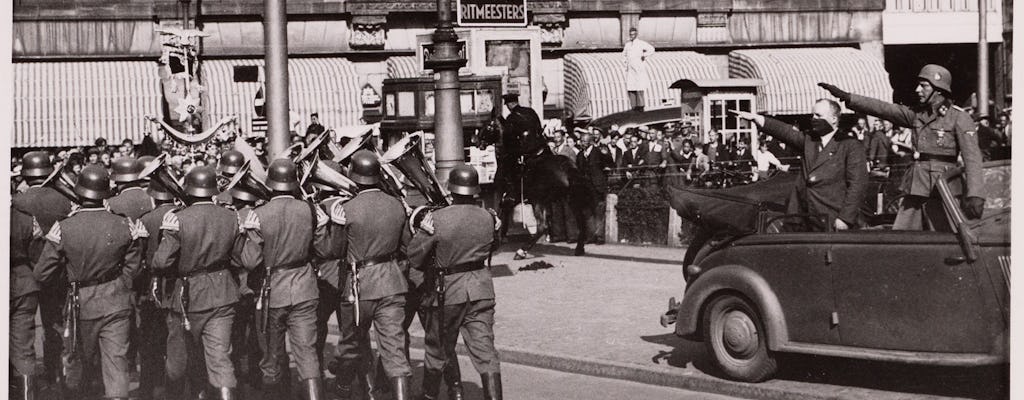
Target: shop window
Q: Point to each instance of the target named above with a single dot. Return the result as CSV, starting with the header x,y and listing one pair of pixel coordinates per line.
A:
x,y
726,123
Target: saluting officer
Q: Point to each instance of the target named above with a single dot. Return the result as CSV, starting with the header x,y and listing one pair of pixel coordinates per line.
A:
x,y
48,206
131,199
197,247
102,253
374,239
153,301
451,247
283,236
942,131
25,232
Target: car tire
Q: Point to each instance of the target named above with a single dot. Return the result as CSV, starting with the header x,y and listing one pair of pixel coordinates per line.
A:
x,y
735,337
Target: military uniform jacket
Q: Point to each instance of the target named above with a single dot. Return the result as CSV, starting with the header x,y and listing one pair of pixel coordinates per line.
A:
x,y
93,243
132,202
245,287
152,221
463,233
376,226
201,237
832,181
25,246
44,203
287,236
947,131
329,270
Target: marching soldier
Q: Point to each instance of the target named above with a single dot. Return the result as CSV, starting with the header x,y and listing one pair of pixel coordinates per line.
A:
x,y
374,238
48,206
283,236
102,253
328,270
153,303
942,131
230,163
197,247
131,199
25,232
245,350
452,246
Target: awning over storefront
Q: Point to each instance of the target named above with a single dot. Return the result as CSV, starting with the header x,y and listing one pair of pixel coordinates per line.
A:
x,y
72,103
403,67
327,86
791,76
595,83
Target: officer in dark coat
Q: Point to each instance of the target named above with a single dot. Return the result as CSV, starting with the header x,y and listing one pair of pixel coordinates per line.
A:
x,y
453,245
102,252
374,235
153,302
48,206
834,174
25,246
197,246
521,125
942,132
283,236
131,199
595,162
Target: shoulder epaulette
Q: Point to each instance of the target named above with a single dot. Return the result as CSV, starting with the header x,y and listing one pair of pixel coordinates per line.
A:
x,y
54,235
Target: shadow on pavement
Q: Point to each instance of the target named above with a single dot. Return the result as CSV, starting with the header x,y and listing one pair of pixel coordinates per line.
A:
x,y
546,249
684,354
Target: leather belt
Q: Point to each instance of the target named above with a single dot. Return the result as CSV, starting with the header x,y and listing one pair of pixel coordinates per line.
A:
x,y
107,277
208,270
937,157
292,265
393,256
464,267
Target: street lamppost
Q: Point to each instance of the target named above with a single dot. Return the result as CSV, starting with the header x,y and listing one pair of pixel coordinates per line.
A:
x,y
445,56
982,58
275,42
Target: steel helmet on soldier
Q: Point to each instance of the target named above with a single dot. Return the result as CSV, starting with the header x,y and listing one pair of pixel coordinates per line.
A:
x,y
938,76
282,176
36,164
93,183
126,169
158,191
464,180
201,182
242,194
230,162
364,168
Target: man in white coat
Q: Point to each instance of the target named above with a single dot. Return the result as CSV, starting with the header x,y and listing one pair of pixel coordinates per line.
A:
x,y
636,53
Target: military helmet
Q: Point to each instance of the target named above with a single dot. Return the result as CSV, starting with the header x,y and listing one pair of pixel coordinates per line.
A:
x,y
201,182
230,162
93,183
242,194
36,164
282,176
126,169
938,76
158,191
464,180
364,168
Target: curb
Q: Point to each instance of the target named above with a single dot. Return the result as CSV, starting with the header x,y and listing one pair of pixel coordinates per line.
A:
x,y
680,379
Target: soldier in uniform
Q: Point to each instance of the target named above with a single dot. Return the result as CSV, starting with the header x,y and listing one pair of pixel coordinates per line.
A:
x,y
131,199
25,232
153,301
230,163
48,206
283,236
451,246
245,350
942,131
197,247
102,253
373,240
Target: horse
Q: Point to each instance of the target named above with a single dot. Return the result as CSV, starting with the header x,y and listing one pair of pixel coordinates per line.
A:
x,y
543,179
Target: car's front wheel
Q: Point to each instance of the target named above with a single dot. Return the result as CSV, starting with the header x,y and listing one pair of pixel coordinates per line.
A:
x,y
735,336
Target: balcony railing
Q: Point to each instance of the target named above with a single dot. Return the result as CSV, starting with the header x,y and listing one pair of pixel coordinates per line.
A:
x,y
939,5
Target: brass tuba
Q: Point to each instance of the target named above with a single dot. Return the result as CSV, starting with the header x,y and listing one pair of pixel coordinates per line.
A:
x,y
389,180
247,181
315,170
157,170
62,181
408,158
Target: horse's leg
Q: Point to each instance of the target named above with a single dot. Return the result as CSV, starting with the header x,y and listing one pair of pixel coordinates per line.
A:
x,y
582,213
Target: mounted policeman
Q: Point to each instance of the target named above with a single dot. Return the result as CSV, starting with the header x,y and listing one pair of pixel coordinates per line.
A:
x,y
942,132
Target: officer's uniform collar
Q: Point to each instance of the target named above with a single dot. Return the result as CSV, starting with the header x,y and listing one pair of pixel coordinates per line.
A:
x,y
282,196
130,188
210,202
369,190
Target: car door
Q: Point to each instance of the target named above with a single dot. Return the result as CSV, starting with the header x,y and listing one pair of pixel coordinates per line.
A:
x,y
907,290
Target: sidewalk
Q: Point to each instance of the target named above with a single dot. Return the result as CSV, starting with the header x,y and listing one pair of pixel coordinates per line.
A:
x,y
598,315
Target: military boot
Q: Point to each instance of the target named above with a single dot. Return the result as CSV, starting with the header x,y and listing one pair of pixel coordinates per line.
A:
x,y
343,376
315,389
431,384
400,386
492,385
28,387
226,393
453,379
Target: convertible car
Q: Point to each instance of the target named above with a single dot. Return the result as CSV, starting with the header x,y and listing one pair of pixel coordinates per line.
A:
x,y
756,286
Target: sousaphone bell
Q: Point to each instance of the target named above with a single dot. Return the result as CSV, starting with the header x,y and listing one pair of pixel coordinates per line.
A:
x,y
157,171
315,170
408,158
245,180
389,181
62,181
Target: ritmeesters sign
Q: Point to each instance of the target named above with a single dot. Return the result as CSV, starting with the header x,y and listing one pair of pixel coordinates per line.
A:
x,y
492,12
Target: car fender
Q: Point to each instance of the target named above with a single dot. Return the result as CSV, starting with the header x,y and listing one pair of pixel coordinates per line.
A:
x,y
733,278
